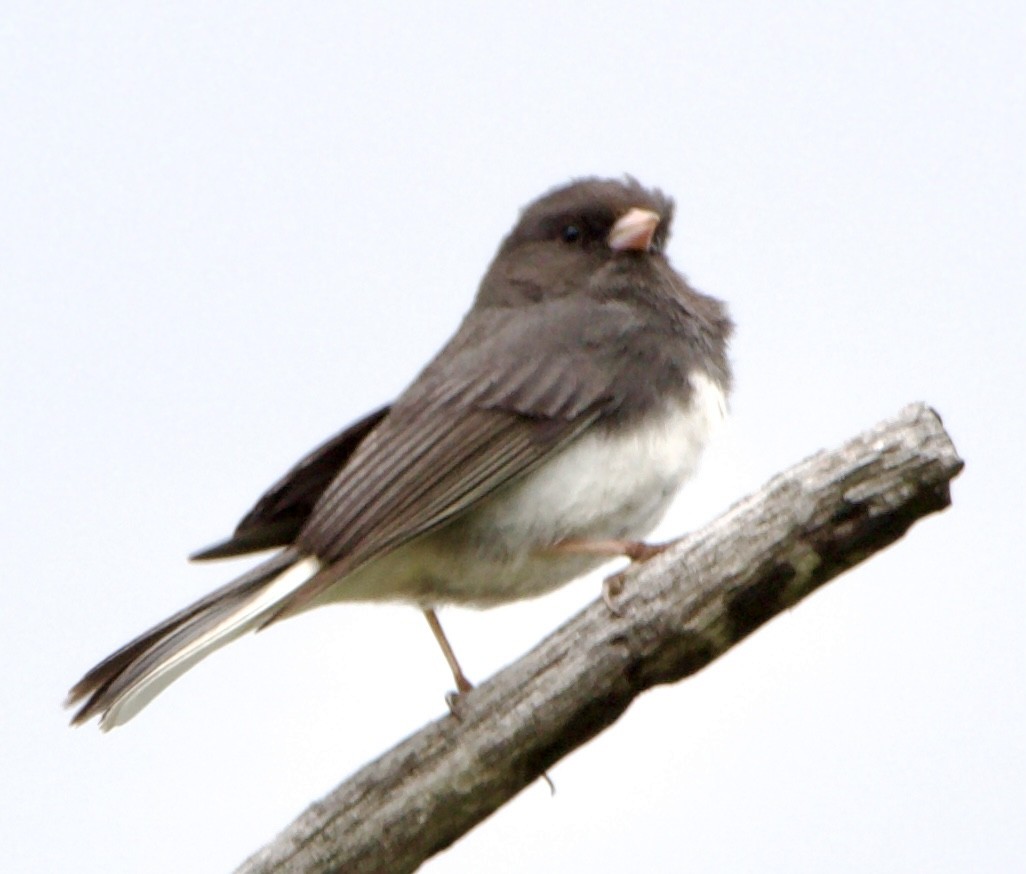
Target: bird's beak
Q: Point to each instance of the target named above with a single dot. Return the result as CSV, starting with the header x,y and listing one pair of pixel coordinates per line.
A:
x,y
633,231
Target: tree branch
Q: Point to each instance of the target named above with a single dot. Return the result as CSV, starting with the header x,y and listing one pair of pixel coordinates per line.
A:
x,y
675,614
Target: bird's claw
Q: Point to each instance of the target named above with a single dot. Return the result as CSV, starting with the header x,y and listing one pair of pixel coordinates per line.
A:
x,y
612,588
454,701
639,551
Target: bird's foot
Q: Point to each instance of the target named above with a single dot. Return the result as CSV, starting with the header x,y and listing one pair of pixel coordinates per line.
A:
x,y
612,588
454,700
636,551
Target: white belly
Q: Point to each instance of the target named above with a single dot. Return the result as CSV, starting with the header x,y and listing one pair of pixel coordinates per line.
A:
x,y
601,486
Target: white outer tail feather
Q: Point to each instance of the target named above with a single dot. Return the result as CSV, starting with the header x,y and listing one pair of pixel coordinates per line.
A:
x,y
246,618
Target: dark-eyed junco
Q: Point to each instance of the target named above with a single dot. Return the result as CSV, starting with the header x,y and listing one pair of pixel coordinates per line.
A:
x,y
548,434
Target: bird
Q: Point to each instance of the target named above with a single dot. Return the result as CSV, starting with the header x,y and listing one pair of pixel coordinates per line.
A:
x,y
547,436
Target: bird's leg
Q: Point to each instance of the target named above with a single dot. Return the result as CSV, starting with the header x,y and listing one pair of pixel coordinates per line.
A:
x,y
635,550
462,683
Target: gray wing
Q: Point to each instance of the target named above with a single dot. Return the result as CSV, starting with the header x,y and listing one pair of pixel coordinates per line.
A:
x,y
481,415
282,511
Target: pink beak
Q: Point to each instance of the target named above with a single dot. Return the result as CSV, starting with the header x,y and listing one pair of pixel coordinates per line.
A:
x,y
633,231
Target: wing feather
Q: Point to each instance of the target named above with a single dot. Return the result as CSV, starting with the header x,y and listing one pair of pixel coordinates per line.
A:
x,y
279,515
480,416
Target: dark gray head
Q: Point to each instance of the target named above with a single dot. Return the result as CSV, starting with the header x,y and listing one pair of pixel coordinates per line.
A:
x,y
570,236
586,265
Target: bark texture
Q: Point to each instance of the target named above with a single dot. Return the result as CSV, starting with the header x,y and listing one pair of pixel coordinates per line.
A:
x,y
674,614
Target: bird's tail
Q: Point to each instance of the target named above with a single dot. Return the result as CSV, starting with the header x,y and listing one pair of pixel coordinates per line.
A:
x,y
125,682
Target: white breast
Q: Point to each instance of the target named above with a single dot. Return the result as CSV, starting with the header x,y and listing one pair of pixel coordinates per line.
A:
x,y
609,485
602,486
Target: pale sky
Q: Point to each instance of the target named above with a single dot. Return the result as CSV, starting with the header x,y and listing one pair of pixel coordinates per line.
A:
x,y
229,229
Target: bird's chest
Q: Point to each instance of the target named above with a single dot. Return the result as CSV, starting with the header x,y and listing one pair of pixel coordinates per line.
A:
x,y
611,484
605,485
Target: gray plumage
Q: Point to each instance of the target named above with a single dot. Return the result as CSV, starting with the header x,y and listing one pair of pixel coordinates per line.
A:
x,y
572,345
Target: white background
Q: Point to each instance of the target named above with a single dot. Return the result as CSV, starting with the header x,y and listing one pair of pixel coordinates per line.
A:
x,y
229,229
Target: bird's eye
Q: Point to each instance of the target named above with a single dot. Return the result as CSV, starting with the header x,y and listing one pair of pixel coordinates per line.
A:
x,y
571,234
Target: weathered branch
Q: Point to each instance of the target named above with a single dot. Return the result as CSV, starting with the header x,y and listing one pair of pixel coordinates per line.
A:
x,y
676,613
